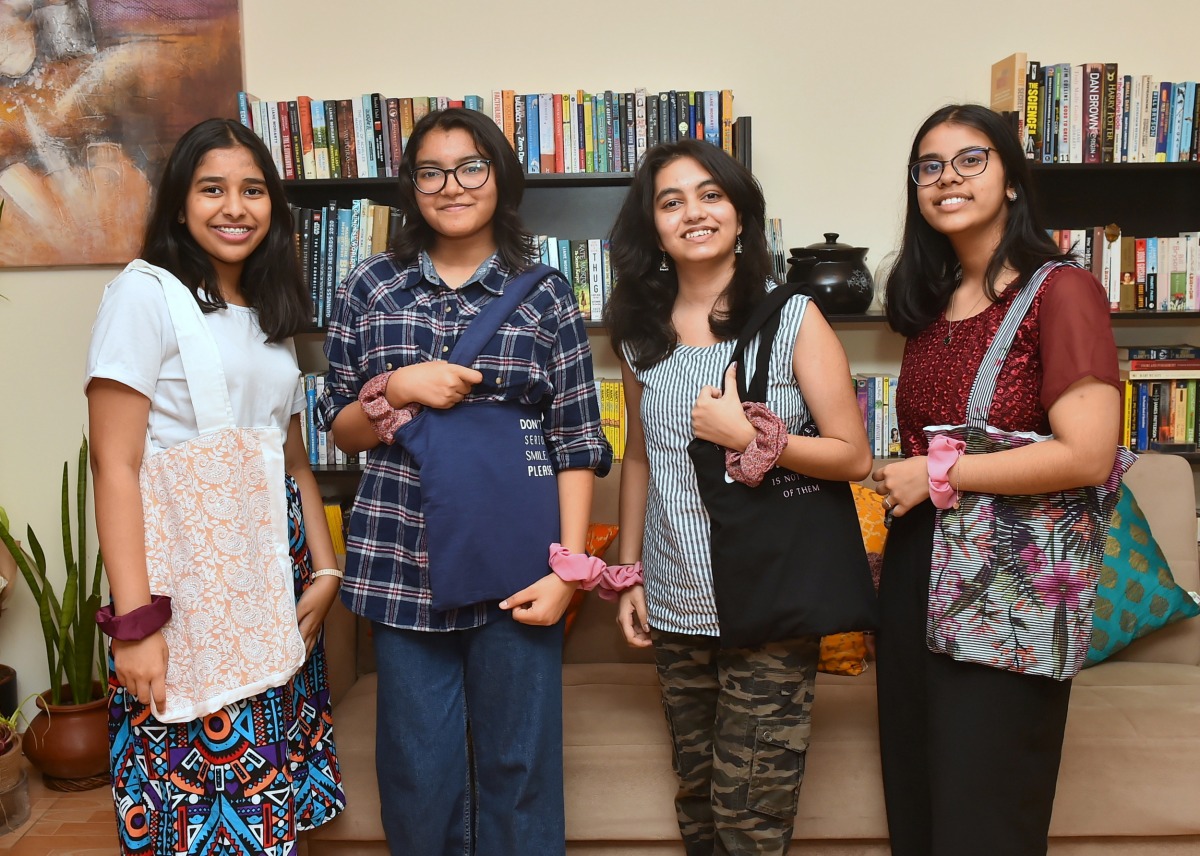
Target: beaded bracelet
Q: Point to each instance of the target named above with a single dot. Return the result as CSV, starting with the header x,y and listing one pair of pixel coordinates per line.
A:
x,y
136,624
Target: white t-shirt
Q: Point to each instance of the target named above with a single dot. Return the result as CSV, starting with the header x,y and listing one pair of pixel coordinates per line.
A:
x,y
133,342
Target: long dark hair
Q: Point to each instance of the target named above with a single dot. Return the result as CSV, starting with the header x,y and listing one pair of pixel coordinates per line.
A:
x,y
638,313
271,282
926,272
513,243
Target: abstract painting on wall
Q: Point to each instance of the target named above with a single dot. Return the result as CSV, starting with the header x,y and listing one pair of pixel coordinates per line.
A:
x,y
93,95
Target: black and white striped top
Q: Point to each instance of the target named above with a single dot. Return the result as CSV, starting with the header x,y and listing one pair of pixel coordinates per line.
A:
x,y
675,548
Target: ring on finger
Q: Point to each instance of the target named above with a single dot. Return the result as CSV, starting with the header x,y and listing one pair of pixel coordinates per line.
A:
x,y
887,502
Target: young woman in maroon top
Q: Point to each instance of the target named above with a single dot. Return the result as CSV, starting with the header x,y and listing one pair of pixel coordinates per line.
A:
x,y
971,753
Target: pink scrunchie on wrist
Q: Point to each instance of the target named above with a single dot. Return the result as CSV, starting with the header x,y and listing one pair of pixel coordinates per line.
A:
x,y
943,454
617,578
764,450
576,567
385,419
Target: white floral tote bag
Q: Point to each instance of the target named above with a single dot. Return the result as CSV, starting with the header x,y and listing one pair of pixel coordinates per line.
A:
x,y
217,541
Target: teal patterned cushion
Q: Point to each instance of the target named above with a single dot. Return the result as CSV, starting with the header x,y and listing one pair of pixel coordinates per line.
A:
x,y
1136,593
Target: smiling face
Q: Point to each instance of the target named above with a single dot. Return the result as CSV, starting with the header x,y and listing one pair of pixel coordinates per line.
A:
x,y
456,213
228,212
973,207
696,223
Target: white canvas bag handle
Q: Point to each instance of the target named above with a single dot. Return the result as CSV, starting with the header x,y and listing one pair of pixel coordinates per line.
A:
x,y
198,351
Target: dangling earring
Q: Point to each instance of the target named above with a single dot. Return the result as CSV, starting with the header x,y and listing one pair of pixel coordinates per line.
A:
x,y
663,266
737,247
180,217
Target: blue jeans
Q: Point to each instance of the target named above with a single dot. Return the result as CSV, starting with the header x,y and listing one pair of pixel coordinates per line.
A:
x,y
469,744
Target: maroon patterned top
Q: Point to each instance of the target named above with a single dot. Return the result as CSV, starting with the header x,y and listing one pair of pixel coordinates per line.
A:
x,y
1066,337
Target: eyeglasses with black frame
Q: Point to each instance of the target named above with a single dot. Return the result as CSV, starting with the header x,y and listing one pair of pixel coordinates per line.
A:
x,y
473,175
968,163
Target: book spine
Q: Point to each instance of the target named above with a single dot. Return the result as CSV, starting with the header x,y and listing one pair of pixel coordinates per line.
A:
x,y
520,132
310,425
546,131
293,110
334,139
498,115
587,106
613,131
602,126
1033,110
276,136
1175,141
395,146
640,124
347,142
1093,113
1162,128
364,155
580,281
560,161
308,154
1152,274
596,278
1125,112
245,112
320,140
533,125
727,121
1049,106
712,118
1110,89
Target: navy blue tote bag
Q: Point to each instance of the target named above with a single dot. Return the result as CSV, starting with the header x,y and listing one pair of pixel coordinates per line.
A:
x,y
488,490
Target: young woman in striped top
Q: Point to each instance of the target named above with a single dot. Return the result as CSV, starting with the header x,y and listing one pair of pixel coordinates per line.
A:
x,y
691,263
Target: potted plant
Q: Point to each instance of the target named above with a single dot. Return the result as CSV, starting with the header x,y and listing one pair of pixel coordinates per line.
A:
x,y
68,739
8,576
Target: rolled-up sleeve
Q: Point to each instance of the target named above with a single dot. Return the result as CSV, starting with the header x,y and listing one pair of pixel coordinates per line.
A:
x,y
343,350
574,435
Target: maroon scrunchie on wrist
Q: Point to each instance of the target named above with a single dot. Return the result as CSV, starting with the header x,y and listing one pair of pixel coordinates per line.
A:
x,y
764,450
138,623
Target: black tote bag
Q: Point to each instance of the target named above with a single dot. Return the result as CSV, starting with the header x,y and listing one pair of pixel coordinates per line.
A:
x,y
787,556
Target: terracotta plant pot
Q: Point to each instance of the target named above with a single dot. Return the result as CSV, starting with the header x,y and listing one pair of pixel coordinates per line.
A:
x,y
69,741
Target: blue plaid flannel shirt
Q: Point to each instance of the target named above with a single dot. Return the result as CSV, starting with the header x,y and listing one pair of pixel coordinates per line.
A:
x,y
387,317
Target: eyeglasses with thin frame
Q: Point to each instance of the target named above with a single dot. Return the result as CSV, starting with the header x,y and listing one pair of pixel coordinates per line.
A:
x,y
470,176
968,163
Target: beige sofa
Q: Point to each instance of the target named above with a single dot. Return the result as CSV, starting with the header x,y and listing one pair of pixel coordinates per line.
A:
x,y
1129,784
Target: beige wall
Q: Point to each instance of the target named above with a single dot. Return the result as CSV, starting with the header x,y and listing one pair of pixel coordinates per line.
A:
x,y
836,90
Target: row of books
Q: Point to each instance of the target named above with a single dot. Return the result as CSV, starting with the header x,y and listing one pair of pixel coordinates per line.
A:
x,y
580,132
876,395
1092,113
1140,274
573,132
611,394
1160,388
321,450
583,263
331,241
1160,415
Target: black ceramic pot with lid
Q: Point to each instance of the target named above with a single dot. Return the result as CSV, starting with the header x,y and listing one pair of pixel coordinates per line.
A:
x,y
833,274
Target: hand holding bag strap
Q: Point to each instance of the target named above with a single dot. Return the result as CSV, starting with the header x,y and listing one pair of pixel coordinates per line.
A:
x,y
765,319
198,352
480,330
979,403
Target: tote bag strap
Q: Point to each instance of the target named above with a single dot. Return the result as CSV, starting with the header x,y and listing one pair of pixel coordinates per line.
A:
x,y
480,331
764,319
197,350
979,404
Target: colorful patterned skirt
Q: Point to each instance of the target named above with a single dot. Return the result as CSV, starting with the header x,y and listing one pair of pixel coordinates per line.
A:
x,y
243,781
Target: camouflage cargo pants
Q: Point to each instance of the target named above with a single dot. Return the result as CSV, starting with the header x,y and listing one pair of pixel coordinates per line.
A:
x,y
739,720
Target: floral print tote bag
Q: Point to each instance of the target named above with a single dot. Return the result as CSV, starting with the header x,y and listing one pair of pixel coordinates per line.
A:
x,y
1013,579
215,512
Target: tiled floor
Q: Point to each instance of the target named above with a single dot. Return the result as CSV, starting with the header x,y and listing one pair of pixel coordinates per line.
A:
x,y
64,824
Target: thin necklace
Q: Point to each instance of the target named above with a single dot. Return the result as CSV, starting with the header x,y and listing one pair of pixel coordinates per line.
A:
x,y
950,324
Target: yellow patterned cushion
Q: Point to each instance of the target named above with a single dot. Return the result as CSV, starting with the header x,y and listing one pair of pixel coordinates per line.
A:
x,y
846,653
